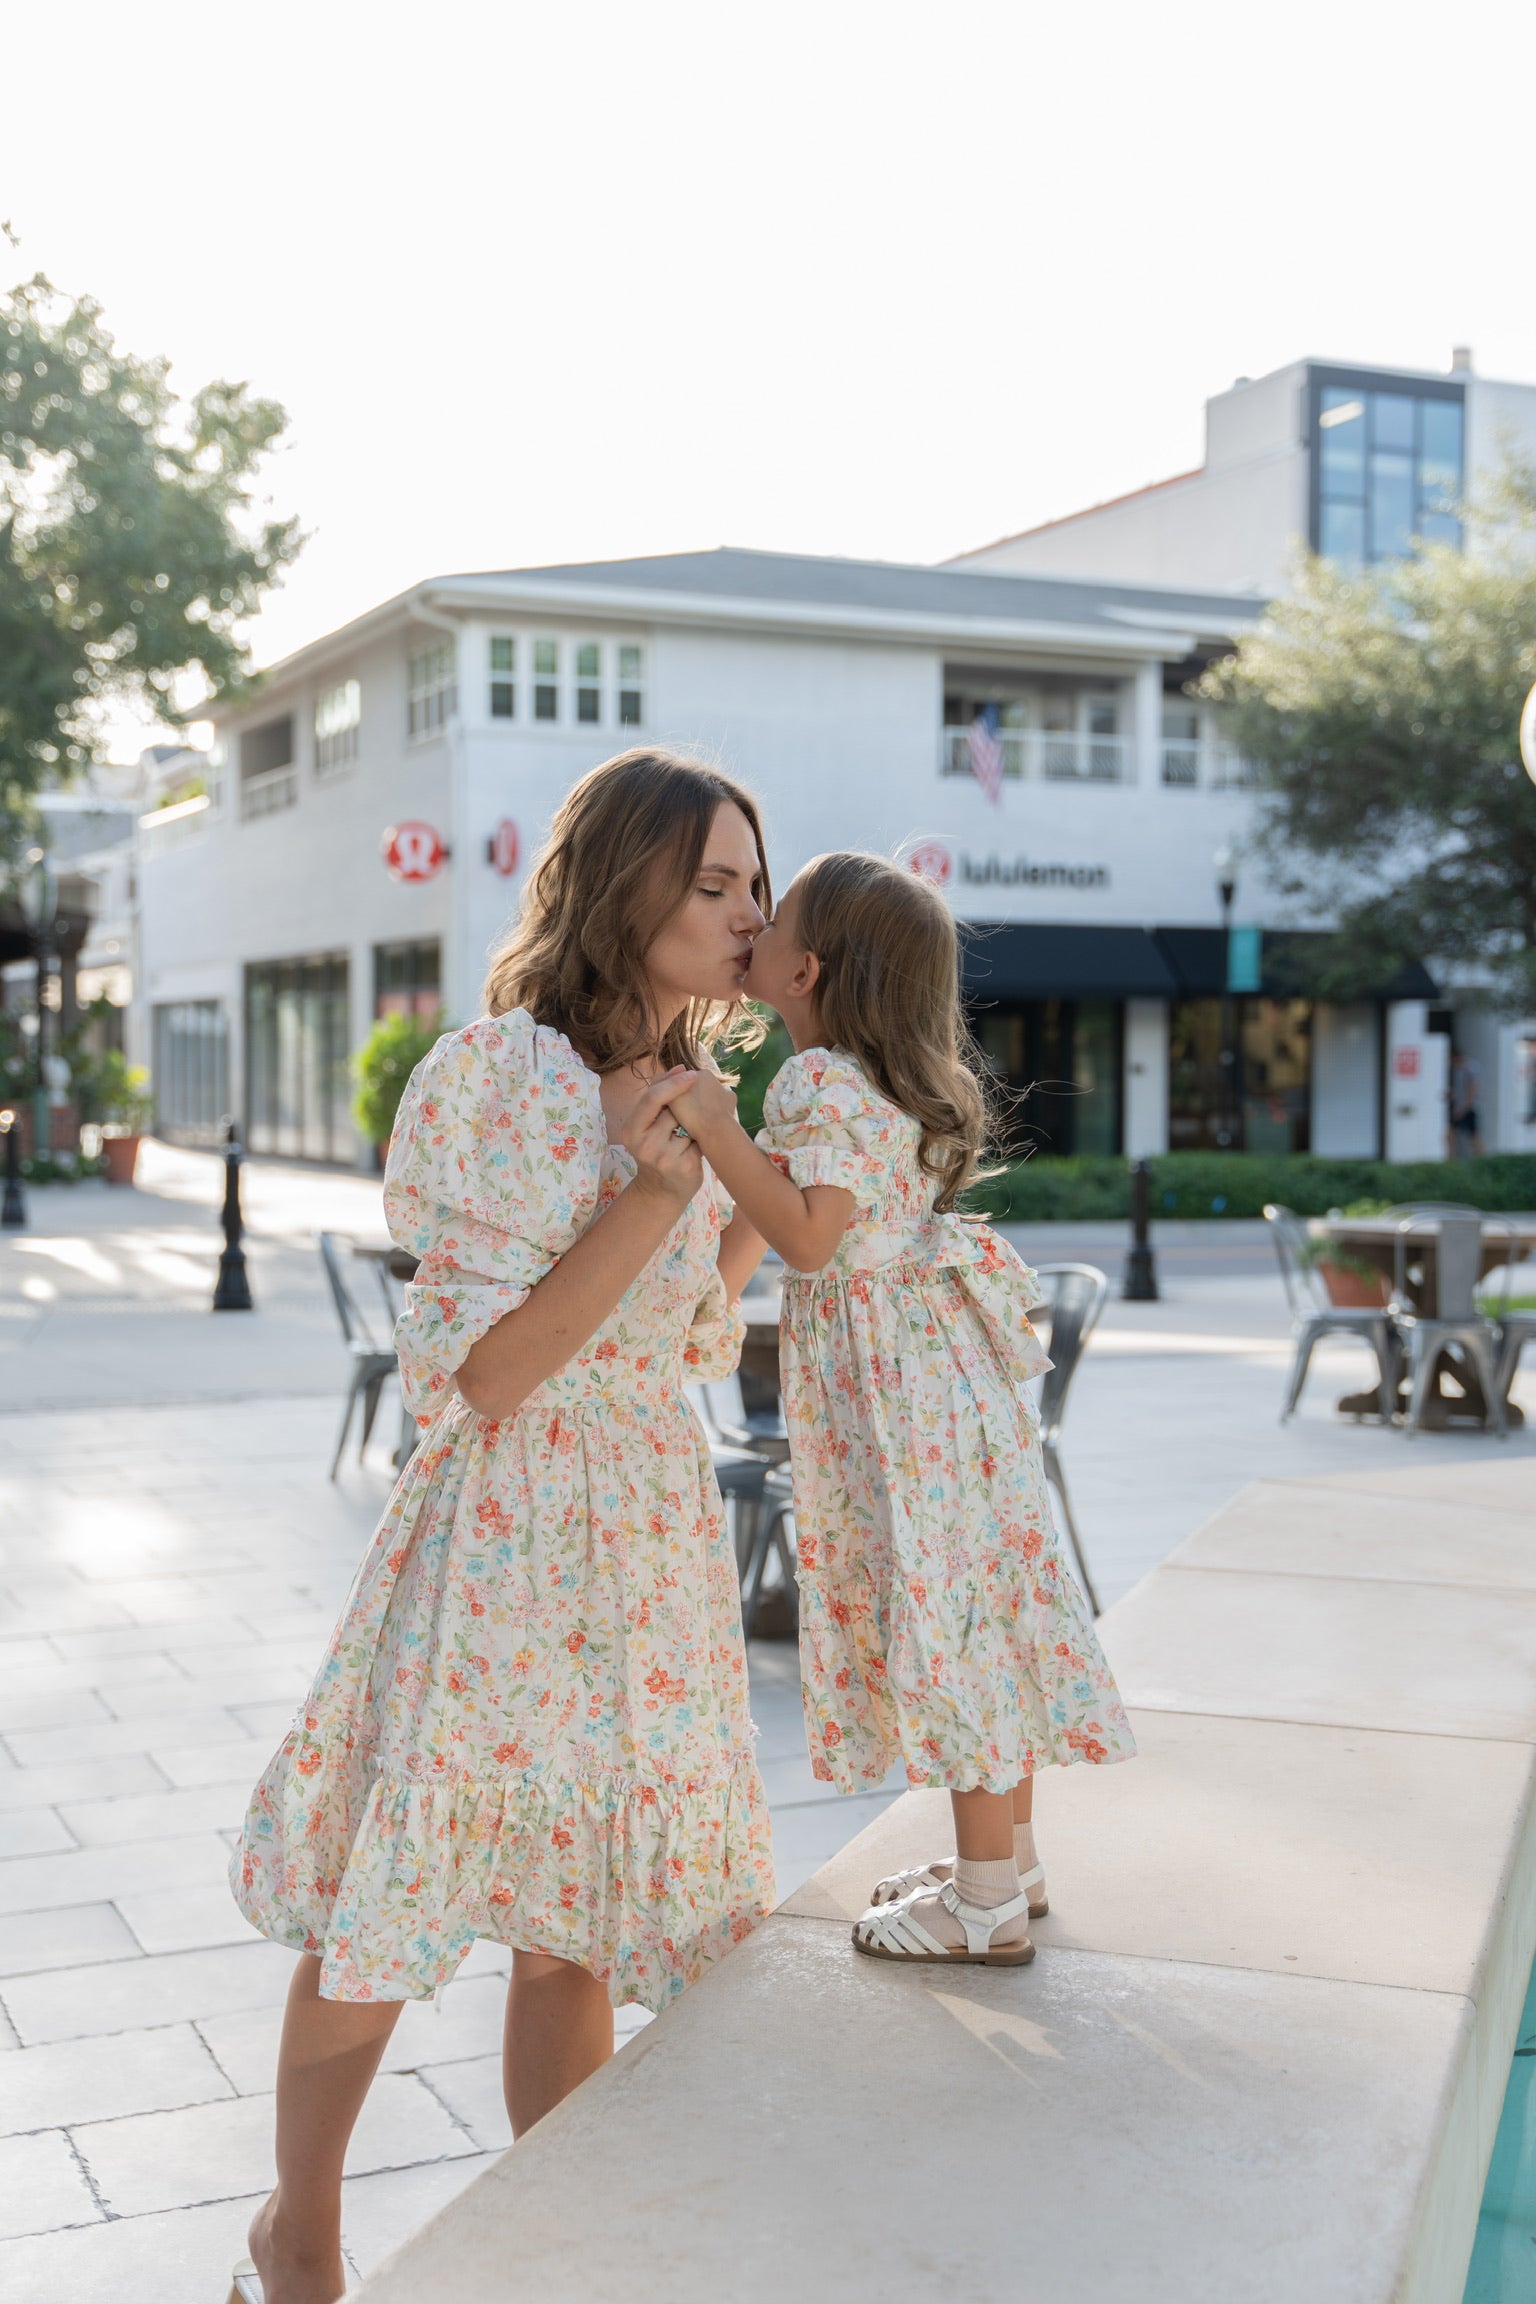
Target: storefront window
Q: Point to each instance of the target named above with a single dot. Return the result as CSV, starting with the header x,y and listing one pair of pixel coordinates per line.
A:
x,y
408,978
296,1045
1240,1076
1058,1063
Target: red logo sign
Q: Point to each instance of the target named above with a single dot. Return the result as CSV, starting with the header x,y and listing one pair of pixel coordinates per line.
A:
x,y
930,860
1405,1063
413,851
503,849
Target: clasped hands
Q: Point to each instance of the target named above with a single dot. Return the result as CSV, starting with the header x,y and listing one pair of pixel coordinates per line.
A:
x,y
671,1119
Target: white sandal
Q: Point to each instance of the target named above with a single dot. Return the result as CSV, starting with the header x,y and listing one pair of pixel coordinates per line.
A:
x,y
927,1880
247,2284
892,1931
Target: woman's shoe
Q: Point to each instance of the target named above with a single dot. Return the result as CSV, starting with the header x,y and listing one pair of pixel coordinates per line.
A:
x,y
927,1879
247,2284
894,1932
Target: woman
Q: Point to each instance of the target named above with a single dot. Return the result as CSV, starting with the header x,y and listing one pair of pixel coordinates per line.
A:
x,y
532,1721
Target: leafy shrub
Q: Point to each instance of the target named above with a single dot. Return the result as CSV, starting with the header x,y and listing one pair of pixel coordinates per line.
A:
x,y
383,1065
754,1071
1196,1184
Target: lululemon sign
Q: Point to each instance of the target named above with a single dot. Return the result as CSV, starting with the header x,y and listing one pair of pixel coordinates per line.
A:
x,y
414,851
502,848
931,860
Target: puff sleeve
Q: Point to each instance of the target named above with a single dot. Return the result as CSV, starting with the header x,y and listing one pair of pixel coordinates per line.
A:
x,y
826,1125
493,1173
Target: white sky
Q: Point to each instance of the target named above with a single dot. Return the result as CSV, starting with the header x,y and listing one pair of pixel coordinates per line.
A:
x,y
841,276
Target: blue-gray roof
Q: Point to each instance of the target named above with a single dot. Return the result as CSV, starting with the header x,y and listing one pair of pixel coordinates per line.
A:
x,y
891,586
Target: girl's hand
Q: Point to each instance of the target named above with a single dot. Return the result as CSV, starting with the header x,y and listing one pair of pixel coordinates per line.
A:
x,y
668,1165
703,1104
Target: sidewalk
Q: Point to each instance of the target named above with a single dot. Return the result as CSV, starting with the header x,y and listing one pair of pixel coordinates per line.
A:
x,y
171,1560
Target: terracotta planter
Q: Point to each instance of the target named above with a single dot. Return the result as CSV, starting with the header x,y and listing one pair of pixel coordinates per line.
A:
x,y
1365,1290
121,1154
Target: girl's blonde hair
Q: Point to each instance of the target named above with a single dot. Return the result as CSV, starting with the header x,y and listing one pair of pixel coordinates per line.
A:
x,y
621,860
889,993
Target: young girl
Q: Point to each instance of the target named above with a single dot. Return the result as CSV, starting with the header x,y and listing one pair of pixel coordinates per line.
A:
x,y
938,1624
532,1722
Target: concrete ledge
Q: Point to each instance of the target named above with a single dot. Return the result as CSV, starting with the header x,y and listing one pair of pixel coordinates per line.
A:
x,y
1263,2050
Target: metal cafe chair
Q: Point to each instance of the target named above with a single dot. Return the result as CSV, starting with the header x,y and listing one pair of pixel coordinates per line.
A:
x,y
771,1539
1457,1322
373,1362
740,1470
1515,1330
1075,1293
1314,1315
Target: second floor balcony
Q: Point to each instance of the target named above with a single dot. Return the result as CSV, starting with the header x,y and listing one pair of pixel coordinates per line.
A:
x,y
1049,755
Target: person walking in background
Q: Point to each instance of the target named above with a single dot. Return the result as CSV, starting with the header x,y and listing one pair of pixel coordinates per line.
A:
x,y
1466,1141
532,1721
939,1625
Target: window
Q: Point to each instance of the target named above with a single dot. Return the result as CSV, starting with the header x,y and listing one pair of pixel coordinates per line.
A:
x,y
546,672
589,708
267,778
432,689
191,1071
407,979
297,1078
1387,469
503,666
631,675
337,713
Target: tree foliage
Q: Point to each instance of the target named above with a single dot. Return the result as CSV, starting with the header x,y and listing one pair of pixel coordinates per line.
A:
x,y
131,545
1382,710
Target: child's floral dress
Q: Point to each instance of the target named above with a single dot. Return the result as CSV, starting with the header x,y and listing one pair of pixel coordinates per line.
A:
x,y
939,1625
532,1721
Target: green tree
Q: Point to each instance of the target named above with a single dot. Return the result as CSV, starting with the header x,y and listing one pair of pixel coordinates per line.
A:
x,y
753,1068
1382,710
131,546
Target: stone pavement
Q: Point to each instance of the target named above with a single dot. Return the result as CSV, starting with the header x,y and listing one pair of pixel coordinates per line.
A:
x,y
171,1561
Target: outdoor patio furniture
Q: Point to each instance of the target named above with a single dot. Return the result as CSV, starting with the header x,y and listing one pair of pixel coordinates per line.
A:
x,y
1315,1315
771,1539
1442,1313
373,1357
1076,1294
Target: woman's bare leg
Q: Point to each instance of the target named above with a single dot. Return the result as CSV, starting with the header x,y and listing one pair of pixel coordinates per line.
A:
x,y
330,2052
559,2030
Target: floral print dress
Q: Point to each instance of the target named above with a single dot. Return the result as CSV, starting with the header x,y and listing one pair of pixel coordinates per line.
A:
x,y
532,1721
939,1625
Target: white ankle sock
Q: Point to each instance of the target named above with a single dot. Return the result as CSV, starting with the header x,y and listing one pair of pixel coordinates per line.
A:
x,y
1024,1856
986,1884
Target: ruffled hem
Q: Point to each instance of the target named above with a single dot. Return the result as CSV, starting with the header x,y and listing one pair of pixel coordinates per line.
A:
x,y
390,1879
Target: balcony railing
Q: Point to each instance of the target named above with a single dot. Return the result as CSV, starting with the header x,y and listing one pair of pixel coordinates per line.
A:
x,y
268,791
1047,755
1205,767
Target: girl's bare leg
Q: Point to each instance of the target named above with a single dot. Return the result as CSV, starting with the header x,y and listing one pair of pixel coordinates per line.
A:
x,y
559,2030
1023,1797
984,1826
330,2052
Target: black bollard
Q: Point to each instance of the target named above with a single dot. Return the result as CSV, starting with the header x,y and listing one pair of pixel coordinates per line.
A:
x,y
232,1292
1140,1268
13,1210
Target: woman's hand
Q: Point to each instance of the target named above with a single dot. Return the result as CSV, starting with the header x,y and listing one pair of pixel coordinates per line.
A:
x,y
668,1164
704,1104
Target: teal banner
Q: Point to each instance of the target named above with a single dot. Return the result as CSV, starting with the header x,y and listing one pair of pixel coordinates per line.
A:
x,y
1245,959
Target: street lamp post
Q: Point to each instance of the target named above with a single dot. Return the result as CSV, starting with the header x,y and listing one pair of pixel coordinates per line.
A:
x,y
13,1206
37,893
1226,889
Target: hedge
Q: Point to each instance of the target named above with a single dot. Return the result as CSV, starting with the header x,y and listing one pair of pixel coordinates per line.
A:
x,y
1193,1184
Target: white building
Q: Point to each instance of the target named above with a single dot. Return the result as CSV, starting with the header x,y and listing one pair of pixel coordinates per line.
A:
x,y
446,725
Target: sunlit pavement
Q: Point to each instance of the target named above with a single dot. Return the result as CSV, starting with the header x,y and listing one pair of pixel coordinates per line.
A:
x,y
172,1556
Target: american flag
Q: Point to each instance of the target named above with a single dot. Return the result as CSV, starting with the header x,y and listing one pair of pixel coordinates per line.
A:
x,y
986,750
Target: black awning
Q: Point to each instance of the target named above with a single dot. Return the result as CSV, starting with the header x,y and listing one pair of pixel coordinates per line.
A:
x,y
1030,962
1197,958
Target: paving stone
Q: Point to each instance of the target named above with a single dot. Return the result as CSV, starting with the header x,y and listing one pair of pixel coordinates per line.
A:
x,y
186,1766
32,1832
181,1919
82,1610
129,1640
44,1786
98,1823
89,1672
380,2213
127,1996
93,1875
25,1655
465,2021
110,1739
244,2046
183,2257
50,1709
158,2160
472,2091
9,2037
266,1724
72,1936
42,2188
153,2071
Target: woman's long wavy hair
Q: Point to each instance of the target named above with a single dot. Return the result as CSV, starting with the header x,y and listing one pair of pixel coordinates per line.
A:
x,y
621,861
889,993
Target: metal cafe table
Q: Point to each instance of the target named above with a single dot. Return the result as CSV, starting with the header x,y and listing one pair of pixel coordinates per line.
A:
x,y
1373,1242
